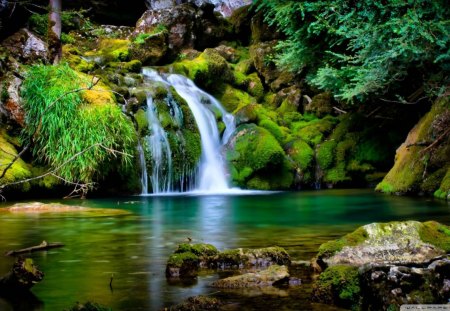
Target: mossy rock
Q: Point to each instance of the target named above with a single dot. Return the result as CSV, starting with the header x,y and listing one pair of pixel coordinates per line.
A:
x,y
320,105
233,99
247,114
19,170
444,189
314,131
207,70
198,303
303,157
150,48
338,285
253,149
412,159
407,242
262,257
245,67
182,265
112,50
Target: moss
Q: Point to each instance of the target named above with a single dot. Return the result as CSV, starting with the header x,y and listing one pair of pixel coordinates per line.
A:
x,y
200,249
206,70
315,130
142,122
338,285
444,189
325,154
245,66
19,170
354,238
406,176
436,234
133,66
274,129
301,153
233,99
178,260
230,258
255,86
112,50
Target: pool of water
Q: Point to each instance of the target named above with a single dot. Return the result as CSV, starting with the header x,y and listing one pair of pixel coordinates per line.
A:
x,y
134,248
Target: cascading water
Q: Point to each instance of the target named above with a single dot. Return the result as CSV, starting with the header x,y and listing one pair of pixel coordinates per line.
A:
x,y
211,172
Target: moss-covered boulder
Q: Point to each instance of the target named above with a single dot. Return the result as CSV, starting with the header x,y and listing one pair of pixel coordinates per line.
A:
x,y
234,100
206,70
262,257
257,160
150,48
395,243
338,285
302,156
188,258
381,266
320,105
422,162
268,277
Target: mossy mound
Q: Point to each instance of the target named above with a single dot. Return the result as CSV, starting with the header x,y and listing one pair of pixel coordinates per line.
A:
x,y
19,170
254,155
302,156
338,285
233,99
206,70
424,153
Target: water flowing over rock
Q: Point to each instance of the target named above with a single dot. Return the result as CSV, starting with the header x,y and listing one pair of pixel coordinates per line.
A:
x,y
210,173
225,7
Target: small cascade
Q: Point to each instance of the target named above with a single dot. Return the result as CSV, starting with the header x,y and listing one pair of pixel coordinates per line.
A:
x,y
158,144
210,175
144,174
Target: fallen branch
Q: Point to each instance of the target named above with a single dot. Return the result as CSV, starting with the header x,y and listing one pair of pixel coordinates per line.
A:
x,y
340,110
41,247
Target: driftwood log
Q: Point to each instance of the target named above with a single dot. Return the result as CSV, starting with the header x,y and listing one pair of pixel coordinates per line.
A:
x,y
41,247
22,276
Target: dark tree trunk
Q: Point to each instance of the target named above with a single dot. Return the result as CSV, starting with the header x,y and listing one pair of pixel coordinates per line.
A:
x,y
54,31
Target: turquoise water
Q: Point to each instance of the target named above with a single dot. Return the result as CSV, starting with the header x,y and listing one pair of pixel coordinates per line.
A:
x,y
134,248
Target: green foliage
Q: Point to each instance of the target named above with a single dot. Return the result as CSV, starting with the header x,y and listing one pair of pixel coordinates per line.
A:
x,y
70,20
342,284
357,49
140,38
67,128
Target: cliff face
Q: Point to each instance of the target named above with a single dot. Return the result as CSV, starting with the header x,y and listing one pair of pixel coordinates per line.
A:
x,y
422,162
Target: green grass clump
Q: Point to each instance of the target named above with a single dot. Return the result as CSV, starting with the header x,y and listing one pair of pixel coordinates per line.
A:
x,y
67,128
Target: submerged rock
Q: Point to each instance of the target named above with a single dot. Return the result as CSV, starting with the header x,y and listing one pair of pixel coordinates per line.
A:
x,y
198,303
39,208
272,275
262,257
391,263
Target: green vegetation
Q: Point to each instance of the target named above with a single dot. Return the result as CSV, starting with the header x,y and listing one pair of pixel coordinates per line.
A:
x,y
74,133
19,170
339,285
140,38
436,234
200,249
354,238
356,50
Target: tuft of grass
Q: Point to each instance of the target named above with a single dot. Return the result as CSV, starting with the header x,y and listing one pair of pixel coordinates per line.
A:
x,y
67,130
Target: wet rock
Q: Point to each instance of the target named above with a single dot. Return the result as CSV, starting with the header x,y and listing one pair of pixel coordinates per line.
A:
x,y
11,106
188,258
388,243
392,264
228,53
198,303
188,26
39,208
320,105
263,55
152,49
26,47
224,7
262,257
272,275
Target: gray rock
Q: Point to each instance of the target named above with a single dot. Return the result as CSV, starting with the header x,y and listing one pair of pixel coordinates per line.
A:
x,y
26,47
224,7
263,278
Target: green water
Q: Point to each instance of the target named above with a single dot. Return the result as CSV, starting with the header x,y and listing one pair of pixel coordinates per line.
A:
x,y
134,247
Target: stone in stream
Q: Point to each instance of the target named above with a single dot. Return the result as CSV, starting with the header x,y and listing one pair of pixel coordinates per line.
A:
x,y
40,208
268,277
391,263
197,303
189,258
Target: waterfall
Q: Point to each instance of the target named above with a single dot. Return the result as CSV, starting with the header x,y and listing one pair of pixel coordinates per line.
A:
x,y
144,174
161,155
211,173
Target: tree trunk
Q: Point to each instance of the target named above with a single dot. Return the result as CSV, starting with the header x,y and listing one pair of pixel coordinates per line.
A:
x,y
54,31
